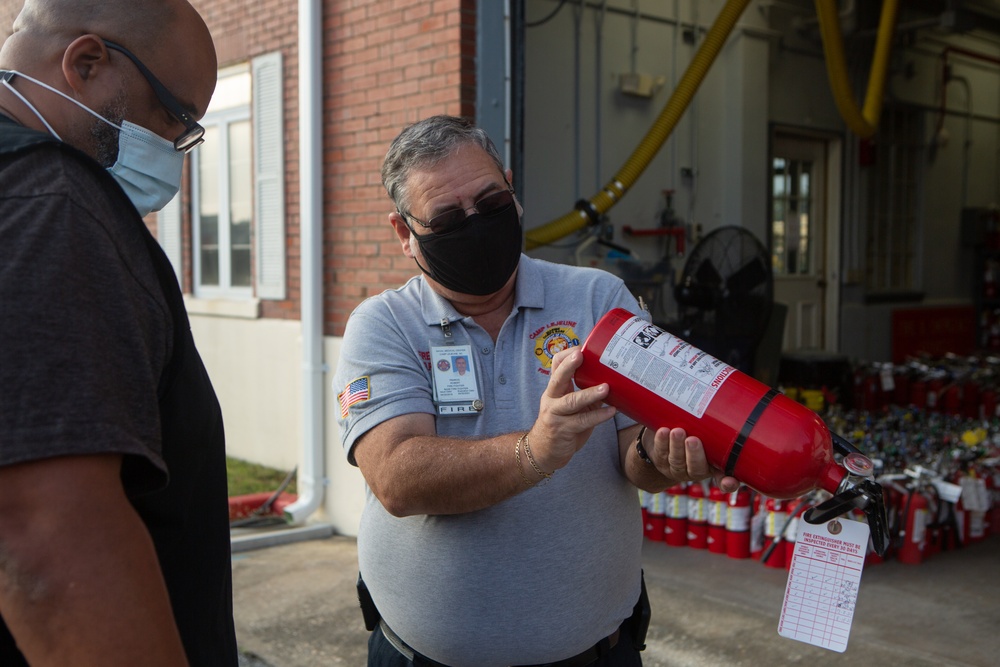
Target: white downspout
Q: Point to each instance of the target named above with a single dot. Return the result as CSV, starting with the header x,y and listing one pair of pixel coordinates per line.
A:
x,y
312,473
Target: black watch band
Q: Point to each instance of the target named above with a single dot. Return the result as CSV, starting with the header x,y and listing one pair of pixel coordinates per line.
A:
x,y
639,449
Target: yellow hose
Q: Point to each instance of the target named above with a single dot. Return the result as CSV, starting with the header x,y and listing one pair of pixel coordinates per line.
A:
x,y
653,141
861,123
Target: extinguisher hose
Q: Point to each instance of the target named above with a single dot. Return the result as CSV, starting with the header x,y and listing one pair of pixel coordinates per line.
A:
x,y
904,519
843,445
936,525
951,523
781,533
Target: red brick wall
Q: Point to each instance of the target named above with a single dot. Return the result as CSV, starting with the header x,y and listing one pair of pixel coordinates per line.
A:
x,y
387,64
243,30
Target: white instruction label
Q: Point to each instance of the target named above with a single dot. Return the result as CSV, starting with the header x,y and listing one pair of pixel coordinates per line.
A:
x,y
664,364
823,580
975,497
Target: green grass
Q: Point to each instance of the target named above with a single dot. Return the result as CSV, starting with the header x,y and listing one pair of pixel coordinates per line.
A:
x,y
246,477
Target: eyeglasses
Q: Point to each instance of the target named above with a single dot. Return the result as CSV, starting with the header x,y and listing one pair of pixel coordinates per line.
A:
x,y
194,133
489,206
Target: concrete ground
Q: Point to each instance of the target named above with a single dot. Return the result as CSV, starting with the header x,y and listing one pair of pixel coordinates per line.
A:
x,y
296,606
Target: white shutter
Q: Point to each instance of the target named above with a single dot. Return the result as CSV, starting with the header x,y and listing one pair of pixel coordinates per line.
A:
x,y
168,233
269,187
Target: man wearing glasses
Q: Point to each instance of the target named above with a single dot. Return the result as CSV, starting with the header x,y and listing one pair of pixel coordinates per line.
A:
x,y
114,536
503,528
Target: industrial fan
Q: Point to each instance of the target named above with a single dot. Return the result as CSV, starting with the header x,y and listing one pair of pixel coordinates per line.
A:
x,y
725,296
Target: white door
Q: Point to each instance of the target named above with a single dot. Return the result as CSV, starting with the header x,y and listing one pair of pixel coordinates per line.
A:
x,y
805,213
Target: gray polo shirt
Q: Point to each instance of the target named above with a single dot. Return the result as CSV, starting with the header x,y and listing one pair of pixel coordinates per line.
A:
x,y
533,579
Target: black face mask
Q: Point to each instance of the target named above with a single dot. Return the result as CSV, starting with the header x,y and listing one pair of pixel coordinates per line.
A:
x,y
477,258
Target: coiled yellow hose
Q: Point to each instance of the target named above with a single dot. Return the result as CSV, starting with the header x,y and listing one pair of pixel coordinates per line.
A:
x,y
654,139
861,122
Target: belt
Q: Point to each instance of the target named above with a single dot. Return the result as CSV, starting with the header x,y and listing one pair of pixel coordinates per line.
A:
x,y
582,659
589,656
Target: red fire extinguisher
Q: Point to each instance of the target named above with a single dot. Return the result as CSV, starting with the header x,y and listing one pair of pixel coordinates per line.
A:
x,y
738,524
791,531
750,431
988,404
901,387
990,280
675,531
716,520
971,399
935,390
774,522
975,525
952,399
918,393
993,484
697,527
653,526
913,536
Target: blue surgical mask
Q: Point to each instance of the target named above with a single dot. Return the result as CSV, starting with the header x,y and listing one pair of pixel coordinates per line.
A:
x,y
148,167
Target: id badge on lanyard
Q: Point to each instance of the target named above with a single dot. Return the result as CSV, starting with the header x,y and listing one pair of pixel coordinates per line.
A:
x,y
456,390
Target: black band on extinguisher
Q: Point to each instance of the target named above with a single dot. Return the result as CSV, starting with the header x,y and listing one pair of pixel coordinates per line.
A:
x,y
758,410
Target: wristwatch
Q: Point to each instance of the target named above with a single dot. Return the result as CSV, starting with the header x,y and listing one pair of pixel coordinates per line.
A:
x,y
639,449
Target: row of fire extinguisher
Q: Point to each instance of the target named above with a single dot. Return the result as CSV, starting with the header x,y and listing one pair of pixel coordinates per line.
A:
x,y
989,329
742,524
929,514
968,388
925,517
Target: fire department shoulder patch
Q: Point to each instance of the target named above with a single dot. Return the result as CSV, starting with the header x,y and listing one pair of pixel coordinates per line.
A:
x,y
551,339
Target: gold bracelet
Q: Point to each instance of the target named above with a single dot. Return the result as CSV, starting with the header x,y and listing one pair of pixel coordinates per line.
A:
x,y
517,456
531,460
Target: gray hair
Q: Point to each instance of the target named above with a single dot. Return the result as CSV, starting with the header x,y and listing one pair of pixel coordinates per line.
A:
x,y
424,144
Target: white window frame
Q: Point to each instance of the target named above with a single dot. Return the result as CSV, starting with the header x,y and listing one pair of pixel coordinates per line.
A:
x,y
221,119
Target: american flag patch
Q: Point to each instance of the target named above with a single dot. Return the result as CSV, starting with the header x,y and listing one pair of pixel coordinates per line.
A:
x,y
354,392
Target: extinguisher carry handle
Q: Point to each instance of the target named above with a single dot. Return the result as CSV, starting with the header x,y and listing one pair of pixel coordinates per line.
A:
x,y
868,496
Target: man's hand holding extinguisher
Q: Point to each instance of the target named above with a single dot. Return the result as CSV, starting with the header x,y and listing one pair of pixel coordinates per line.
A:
x,y
652,459
674,457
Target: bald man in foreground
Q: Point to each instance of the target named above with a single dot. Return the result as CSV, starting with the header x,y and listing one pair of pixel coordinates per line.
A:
x,y
114,535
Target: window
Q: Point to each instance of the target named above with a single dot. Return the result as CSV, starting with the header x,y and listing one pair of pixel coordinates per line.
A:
x,y
223,192
238,196
791,230
893,199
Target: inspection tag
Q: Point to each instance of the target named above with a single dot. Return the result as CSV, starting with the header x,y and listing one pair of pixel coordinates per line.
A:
x,y
822,588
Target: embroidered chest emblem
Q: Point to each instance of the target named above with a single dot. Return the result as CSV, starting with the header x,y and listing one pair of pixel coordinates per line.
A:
x,y
552,339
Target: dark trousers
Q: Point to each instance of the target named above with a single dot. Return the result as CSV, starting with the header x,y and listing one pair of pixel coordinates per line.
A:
x,y
381,653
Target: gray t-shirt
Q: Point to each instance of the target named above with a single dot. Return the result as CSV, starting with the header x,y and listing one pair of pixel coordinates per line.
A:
x,y
542,575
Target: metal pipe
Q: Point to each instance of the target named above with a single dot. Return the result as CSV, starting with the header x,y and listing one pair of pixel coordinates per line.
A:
x,y
312,474
598,92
